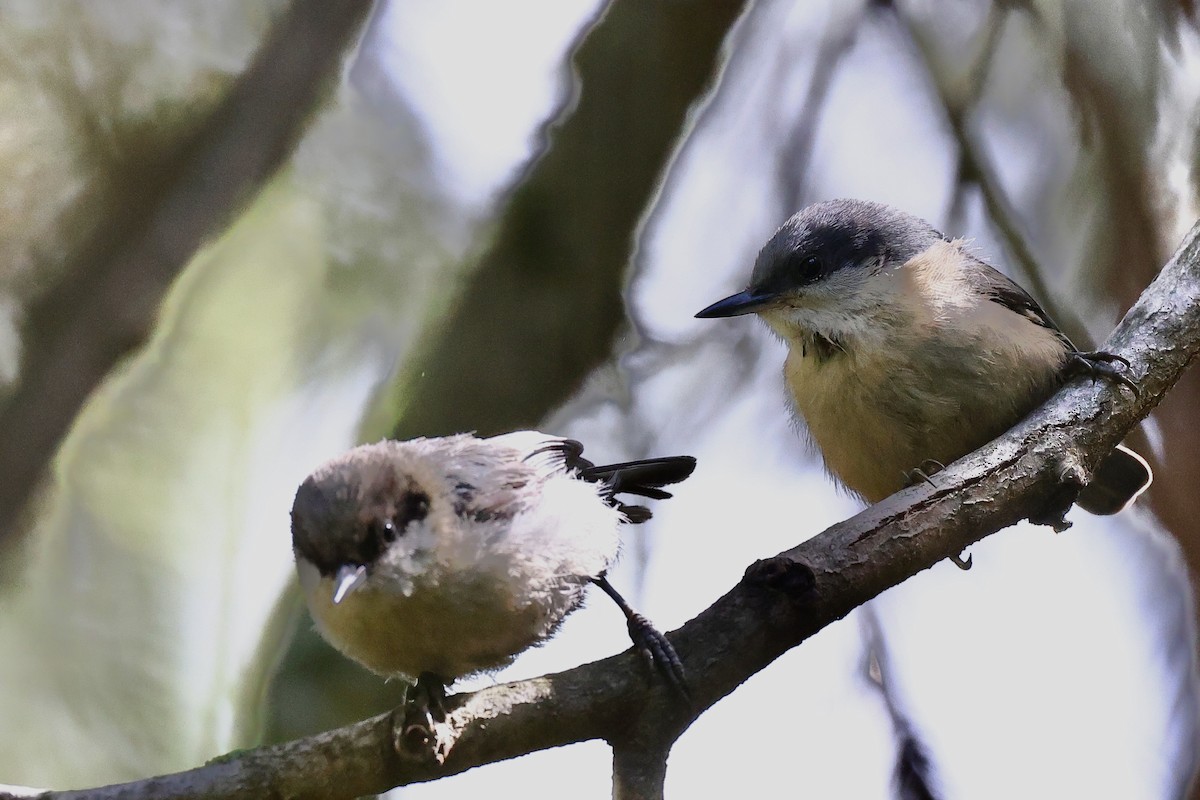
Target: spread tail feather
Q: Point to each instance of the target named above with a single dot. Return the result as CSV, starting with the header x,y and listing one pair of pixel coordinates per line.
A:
x,y
1119,479
644,478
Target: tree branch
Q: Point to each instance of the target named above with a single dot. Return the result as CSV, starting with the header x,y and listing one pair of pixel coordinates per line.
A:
x,y
780,603
107,301
639,773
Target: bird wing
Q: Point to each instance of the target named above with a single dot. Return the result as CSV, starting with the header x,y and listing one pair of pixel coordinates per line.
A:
x,y
645,477
550,455
1000,289
489,478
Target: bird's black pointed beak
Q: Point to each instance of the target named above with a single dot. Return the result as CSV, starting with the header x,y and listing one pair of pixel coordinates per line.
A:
x,y
746,302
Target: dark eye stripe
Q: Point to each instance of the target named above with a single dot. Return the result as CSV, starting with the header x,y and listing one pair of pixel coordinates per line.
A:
x,y
415,508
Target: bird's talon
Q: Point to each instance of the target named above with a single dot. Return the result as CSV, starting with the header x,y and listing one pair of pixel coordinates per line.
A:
x,y
656,649
1100,364
424,707
653,645
916,474
962,563
1104,356
1125,380
929,466
415,737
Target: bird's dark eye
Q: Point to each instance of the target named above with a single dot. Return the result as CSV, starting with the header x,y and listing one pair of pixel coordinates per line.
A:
x,y
384,530
811,265
416,506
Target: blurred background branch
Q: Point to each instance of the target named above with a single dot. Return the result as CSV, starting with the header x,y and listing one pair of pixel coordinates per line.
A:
x,y
162,211
795,158
544,304
913,776
959,96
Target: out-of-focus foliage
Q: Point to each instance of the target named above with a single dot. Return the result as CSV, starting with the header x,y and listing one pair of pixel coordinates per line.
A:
x,y
92,95
151,599
91,92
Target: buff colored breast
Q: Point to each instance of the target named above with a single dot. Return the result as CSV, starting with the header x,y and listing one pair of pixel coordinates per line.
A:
x,y
394,634
880,407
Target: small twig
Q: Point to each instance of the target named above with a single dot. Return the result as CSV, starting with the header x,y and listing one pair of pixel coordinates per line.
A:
x,y
913,774
794,159
976,168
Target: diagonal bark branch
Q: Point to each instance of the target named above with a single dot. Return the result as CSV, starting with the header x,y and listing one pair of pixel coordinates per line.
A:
x,y
106,303
780,603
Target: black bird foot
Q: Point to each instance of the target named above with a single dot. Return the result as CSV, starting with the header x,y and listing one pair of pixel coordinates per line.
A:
x,y
654,646
424,707
962,563
1099,364
658,653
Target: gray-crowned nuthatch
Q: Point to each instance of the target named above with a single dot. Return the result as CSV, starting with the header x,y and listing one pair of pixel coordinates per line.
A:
x,y
904,349
439,558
